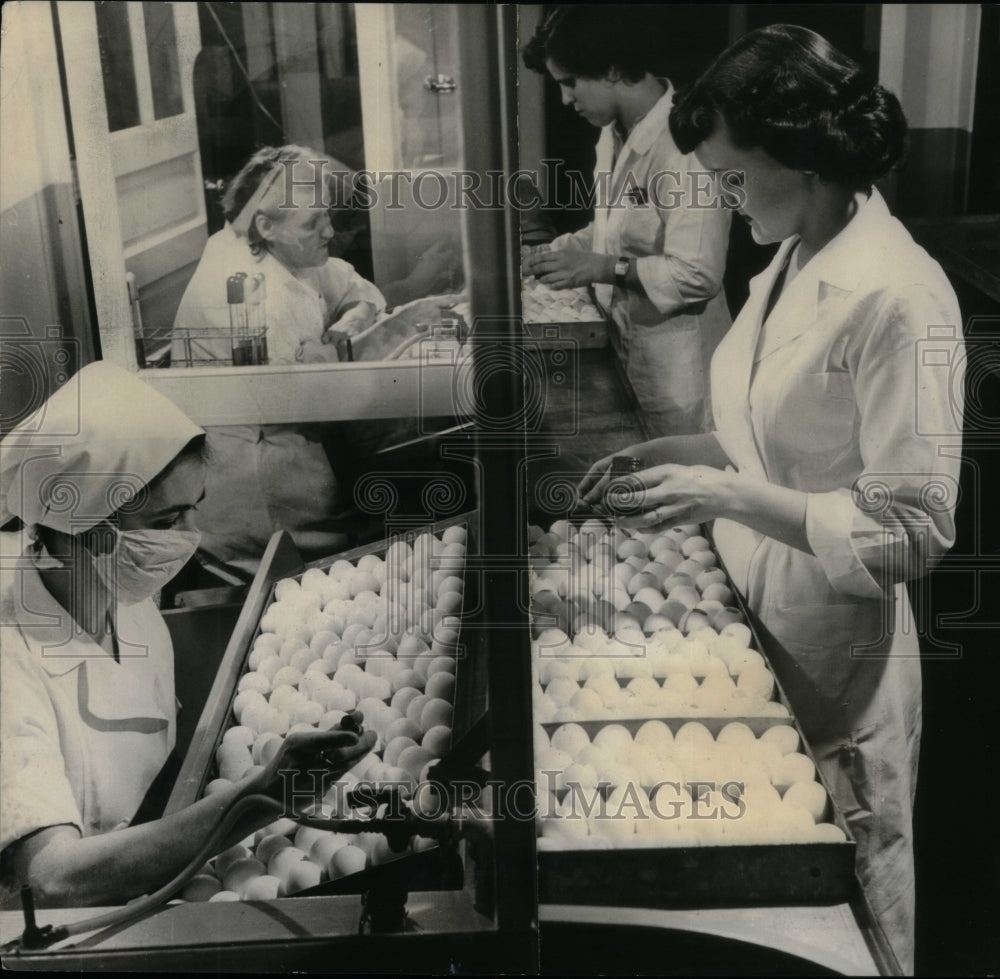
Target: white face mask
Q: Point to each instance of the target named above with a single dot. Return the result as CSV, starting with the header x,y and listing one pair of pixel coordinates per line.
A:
x,y
143,561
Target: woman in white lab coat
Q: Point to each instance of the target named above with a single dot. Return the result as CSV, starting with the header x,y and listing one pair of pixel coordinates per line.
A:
x,y
655,252
103,481
266,478
832,473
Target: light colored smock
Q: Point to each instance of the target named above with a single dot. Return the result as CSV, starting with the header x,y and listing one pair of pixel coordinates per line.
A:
x,y
299,308
264,478
83,736
851,393
665,335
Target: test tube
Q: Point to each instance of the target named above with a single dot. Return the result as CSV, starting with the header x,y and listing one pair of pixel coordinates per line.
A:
x,y
257,318
236,297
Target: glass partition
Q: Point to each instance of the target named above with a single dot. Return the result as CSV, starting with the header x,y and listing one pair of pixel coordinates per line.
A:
x,y
190,93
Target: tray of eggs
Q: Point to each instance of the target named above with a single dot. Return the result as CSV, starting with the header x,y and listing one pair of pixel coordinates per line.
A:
x,y
377,633
542,304
662,734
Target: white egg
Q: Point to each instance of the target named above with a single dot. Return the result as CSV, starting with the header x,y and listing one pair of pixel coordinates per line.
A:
x,y
810,796
437,740
347,860
285,697
262,651
308,713
435,712
239,734
269,666
240,873
784,736
285,587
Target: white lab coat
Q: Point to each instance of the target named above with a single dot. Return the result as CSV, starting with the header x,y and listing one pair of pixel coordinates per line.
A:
x,y
264,478
83,736
665,337
850,393
299,308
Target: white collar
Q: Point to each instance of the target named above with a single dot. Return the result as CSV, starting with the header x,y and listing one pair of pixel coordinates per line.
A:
x,y
54,638
651,126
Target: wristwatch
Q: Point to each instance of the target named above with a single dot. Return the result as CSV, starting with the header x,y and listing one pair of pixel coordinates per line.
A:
x,y
622,266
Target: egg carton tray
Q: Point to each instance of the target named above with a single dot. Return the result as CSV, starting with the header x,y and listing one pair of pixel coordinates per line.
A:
x,y
430,869
685,877
543,304
712,875
632,724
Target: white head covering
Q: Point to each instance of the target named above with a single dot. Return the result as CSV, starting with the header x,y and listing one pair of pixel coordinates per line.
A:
x,y
101,438
294,166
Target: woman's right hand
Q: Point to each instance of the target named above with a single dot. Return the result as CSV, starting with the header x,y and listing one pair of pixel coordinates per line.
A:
x,y
592,487
682,450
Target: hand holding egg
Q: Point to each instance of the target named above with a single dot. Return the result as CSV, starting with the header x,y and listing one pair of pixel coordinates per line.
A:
x,y
336,750
681,494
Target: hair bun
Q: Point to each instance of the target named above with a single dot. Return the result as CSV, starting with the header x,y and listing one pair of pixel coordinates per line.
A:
x,y
868,99
809,106
869,129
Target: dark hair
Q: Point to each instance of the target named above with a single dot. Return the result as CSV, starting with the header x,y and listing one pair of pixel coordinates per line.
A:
x,y
95,538
790,92
196,449
589,40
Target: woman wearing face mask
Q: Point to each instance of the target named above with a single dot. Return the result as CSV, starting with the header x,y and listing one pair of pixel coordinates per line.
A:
x,y
832,472
655,252
104,491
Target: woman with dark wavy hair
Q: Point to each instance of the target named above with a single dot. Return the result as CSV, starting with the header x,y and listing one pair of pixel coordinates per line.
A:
x,y
832,471
655,252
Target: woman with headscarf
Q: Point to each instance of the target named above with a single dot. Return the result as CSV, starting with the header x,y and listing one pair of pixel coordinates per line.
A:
x,y
832,471
103,482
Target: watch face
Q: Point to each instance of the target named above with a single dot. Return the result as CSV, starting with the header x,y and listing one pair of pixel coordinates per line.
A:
x,y
621,268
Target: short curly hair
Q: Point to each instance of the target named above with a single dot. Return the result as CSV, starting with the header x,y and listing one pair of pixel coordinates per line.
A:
x,y
788,91
591,40
242,187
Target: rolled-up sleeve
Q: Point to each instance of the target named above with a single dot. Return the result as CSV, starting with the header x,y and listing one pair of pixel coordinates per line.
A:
x,y
35,791
692,263
898,518
579,241
344,287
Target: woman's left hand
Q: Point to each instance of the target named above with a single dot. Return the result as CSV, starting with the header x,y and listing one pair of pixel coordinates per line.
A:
x,y
568,269
672,494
